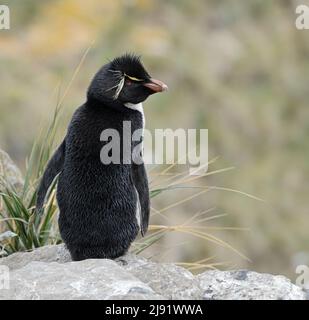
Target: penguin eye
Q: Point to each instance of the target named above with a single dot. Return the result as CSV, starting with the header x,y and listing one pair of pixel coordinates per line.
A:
x,y
128,82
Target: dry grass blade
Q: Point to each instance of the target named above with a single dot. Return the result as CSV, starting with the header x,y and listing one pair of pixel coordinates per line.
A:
x,y
183,201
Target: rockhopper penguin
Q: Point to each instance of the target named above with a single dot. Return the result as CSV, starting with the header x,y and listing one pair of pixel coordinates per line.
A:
x,y
100,204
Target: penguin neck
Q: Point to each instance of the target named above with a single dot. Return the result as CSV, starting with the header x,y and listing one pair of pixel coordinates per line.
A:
x,y
117,106
137,107
95,103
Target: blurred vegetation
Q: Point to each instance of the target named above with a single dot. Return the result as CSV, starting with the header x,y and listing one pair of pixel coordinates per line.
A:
x,y
238,68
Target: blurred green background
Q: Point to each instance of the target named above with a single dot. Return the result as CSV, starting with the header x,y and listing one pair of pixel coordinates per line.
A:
x,y
237,68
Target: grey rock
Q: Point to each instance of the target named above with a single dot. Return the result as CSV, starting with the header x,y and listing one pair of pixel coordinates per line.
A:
x,y
44,254
7,235
172,281
49,273
9,175
4,238
247,285
9,172
88,279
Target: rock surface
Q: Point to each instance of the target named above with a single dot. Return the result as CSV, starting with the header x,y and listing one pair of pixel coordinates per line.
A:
x,y
49,273
249,285
88,279
9,172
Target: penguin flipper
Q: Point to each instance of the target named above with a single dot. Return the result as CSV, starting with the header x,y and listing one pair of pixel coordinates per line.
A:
x,y
141,184
54,167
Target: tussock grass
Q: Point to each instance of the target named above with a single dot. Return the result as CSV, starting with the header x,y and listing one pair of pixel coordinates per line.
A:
x,y
28,229
32,230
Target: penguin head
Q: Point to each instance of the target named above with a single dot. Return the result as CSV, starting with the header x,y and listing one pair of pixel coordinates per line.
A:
x,y
124,80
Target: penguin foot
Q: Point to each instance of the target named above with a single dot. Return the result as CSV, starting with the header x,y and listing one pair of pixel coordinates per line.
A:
x,y
83,253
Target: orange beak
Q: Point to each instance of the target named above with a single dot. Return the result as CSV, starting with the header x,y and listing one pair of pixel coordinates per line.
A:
x,y
156,85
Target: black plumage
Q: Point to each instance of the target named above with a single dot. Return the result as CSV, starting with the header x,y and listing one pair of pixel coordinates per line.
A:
x,y
98,202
